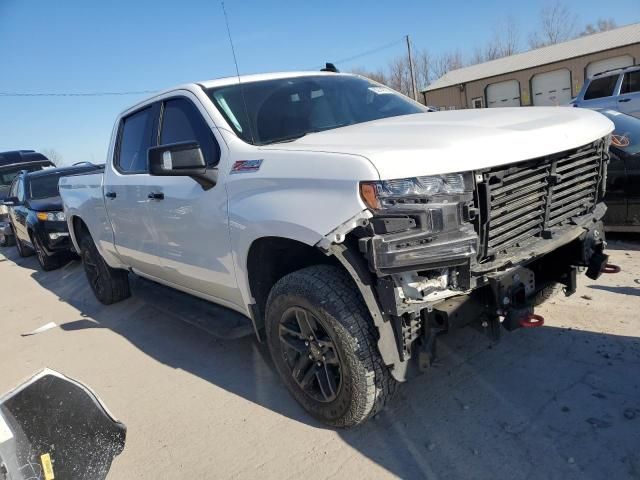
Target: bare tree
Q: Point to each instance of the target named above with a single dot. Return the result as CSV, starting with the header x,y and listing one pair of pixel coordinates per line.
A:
x,y
504,42
400,75
379,76
602,25
53,155
422,68
446,62
557,24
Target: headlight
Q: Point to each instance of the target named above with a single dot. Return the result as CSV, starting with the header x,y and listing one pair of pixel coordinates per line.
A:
x,y
4,210
377,195
51,216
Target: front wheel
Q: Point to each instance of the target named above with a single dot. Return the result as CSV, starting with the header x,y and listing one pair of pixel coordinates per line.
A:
x,y
23,250
322,341
110,285
46,262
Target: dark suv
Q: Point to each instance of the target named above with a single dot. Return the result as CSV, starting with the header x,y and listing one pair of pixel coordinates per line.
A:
x,y
36,216
12,163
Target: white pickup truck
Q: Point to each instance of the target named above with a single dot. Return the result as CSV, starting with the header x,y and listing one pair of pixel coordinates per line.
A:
x,y
351,226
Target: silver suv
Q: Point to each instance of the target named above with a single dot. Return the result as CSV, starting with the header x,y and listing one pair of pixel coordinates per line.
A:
x,y
615,89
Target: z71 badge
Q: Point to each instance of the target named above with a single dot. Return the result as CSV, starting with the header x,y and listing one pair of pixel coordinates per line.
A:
x,y
246,166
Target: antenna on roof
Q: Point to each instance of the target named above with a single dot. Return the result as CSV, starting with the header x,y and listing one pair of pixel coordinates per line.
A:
x,y
233,51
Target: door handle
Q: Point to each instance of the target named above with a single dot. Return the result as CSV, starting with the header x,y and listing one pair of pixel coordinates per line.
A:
x,y
156,196
624,100
110,194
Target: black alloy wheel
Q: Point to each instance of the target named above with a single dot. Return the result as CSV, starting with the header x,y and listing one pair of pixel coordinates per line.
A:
x,y
92,271
310,354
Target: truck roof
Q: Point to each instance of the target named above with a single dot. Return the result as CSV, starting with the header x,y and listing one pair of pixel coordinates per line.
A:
x,y
20,156
224,81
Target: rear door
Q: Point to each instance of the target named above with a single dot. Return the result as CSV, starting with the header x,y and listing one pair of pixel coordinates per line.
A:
x,y
191,223
126,188
629,98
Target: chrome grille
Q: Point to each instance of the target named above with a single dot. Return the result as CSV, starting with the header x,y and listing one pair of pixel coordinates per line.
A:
x,y
530,199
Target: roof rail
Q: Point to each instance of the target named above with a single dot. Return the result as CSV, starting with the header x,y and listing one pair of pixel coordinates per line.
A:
x,y
615,69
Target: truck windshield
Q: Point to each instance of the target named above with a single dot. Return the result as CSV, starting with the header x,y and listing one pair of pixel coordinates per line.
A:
x,y
288,108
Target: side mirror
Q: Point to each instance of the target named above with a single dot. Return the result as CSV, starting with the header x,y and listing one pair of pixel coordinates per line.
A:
x,y
183,159
11,202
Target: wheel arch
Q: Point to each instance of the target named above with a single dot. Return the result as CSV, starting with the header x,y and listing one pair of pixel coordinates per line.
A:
x,y
270,258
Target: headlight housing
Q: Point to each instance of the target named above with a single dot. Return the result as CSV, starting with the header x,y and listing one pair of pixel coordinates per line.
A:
x,y
420,222
4,210
388,193
51,216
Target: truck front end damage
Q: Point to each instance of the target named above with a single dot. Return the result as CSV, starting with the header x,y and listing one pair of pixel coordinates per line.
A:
x,y
437,253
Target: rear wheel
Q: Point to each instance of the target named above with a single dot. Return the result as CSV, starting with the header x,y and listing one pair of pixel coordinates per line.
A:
x,y
46,262
6,240
323,345
110,285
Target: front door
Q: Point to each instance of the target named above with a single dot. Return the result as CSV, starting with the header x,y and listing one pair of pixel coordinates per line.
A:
x,y
126,190
190,223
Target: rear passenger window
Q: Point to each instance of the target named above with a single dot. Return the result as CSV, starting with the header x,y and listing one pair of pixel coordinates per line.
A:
x,y
601,87
135,140
182,122
631,82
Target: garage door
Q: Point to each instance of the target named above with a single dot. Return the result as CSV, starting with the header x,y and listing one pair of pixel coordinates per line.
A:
x,y
551,88
503,94
609,64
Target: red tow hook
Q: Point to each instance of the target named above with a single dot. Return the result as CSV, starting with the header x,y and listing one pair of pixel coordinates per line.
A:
x,y
611,268
532,320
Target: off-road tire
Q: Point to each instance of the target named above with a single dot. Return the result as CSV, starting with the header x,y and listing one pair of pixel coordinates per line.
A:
x,y
547,293
330,295
46,262
110,285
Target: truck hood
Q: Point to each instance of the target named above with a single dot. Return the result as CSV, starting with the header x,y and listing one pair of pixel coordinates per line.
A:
x,y
456,141
49,204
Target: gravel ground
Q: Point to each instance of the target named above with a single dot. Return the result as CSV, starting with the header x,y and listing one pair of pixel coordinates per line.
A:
x,y
201,400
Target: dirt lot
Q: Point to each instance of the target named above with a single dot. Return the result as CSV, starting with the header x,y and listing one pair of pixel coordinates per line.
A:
x,y
200,398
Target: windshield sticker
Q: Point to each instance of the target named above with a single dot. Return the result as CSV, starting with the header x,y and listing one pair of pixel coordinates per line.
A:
x,y
380,90
246,166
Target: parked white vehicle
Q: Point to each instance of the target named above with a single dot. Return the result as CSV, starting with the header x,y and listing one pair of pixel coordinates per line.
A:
x,y
348,224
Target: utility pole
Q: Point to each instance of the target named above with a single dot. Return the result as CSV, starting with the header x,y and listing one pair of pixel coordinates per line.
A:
x,y
413,77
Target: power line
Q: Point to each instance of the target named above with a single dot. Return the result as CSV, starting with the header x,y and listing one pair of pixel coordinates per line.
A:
x,y
366,53
73,94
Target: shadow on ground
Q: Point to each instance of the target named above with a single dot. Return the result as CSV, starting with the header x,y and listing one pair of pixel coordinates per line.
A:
x,y
545,403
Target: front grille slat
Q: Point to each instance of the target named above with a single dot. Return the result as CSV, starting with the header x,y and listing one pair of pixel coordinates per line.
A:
x,y
526,199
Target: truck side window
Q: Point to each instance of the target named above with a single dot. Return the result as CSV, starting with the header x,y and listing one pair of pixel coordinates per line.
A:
x,y
630,82
135,140
182,122
601,87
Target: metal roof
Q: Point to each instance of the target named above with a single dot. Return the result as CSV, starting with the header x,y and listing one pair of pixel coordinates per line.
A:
x,y
593,43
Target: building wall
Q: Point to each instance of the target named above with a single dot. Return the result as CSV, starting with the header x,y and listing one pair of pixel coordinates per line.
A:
x,y
455,96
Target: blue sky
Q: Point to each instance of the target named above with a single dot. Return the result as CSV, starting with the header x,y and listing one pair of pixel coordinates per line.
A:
x,y
127,45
